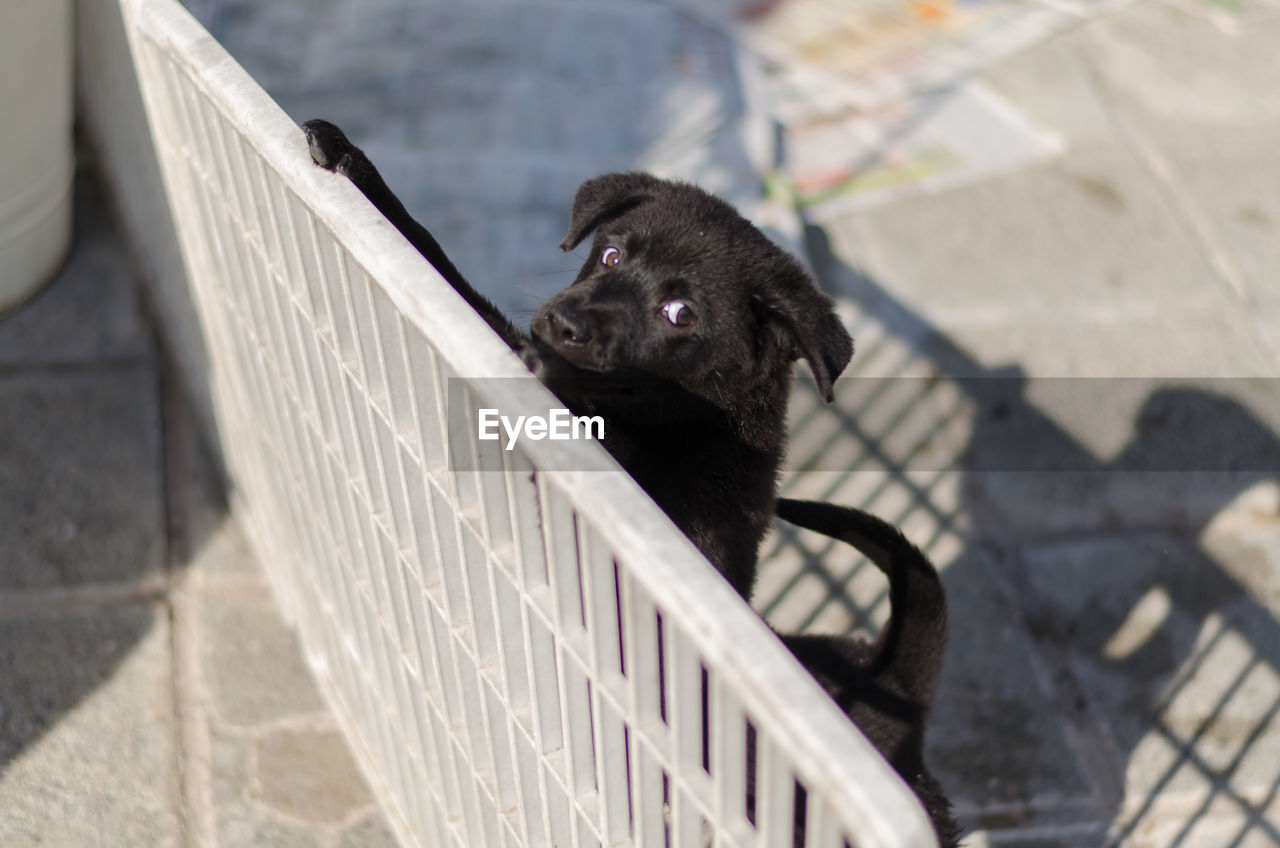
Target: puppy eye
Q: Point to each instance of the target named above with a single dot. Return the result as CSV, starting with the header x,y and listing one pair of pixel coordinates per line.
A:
x,y
678,313
611,256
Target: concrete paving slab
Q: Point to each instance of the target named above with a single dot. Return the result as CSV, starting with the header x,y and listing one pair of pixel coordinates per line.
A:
x,y
369,832
1172,66
1208,830
113,527
1244,540
1050,88
264,762
1178,663
1079,835
1205,106
252,811
1012,508
1204,335
1095,273
80,462
1268,320
241,823
1186,454
302,773
994,688
1083,236
224,552
252,662
1168,451
258,805
89,312
86,720
1172,456
1212,340
1223,171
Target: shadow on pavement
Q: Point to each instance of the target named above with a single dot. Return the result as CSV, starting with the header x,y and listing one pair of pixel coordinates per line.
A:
x,y
89,538
1114,663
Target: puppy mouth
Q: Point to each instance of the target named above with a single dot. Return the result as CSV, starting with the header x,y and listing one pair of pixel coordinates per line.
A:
x,y
568,336
561,369
594,372
580,354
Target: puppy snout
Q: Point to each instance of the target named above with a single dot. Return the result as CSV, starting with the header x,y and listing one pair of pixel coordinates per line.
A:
x,y
565,324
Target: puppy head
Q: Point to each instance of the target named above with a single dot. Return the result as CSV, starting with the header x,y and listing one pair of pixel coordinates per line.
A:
x,y
680,287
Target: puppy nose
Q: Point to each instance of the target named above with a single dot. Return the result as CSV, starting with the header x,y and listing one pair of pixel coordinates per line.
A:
x,y
568,325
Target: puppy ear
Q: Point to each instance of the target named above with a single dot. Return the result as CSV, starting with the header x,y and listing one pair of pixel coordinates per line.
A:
x,y
808,318
606,197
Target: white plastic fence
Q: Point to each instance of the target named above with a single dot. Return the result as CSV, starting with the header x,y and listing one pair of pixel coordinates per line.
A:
x,y
518,658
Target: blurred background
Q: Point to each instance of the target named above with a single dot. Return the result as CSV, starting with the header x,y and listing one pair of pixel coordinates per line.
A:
x,y
1051,228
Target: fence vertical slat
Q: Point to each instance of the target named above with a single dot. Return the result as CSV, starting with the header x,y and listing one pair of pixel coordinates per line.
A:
x,y
547,709
526,521
729,756
646,793
640,655
775,793
603,609
686,704
612,775
576,716
563,562
533,812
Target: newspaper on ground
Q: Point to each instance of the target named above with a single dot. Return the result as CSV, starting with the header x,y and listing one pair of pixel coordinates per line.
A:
x,y
873,98
835,162
877,52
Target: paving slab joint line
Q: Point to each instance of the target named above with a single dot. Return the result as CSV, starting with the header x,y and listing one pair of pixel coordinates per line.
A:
x,y
73,367
1182,203
353,817
184,589
194,750
235,584
28,603
1165,177
315,721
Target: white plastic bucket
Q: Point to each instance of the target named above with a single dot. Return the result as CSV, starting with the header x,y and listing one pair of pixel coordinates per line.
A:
x,y
36,157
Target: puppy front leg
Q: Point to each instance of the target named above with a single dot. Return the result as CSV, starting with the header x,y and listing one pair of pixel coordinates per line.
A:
x,y
331,150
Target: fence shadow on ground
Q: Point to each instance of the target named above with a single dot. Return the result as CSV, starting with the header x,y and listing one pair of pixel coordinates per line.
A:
x,y
1113,675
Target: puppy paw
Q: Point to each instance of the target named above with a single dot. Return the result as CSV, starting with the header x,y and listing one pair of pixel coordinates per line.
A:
x,y
531,357
330,149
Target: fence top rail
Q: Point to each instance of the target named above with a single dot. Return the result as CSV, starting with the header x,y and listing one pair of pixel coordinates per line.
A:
x,y
827,752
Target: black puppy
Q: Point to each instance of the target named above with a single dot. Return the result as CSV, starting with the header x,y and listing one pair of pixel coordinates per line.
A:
x,y
680,331
885,687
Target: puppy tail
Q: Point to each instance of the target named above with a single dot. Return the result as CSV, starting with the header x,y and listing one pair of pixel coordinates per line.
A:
x,y
909,650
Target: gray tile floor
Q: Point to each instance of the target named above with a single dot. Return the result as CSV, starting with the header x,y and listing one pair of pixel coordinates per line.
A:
x,y
1069,430
152,695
